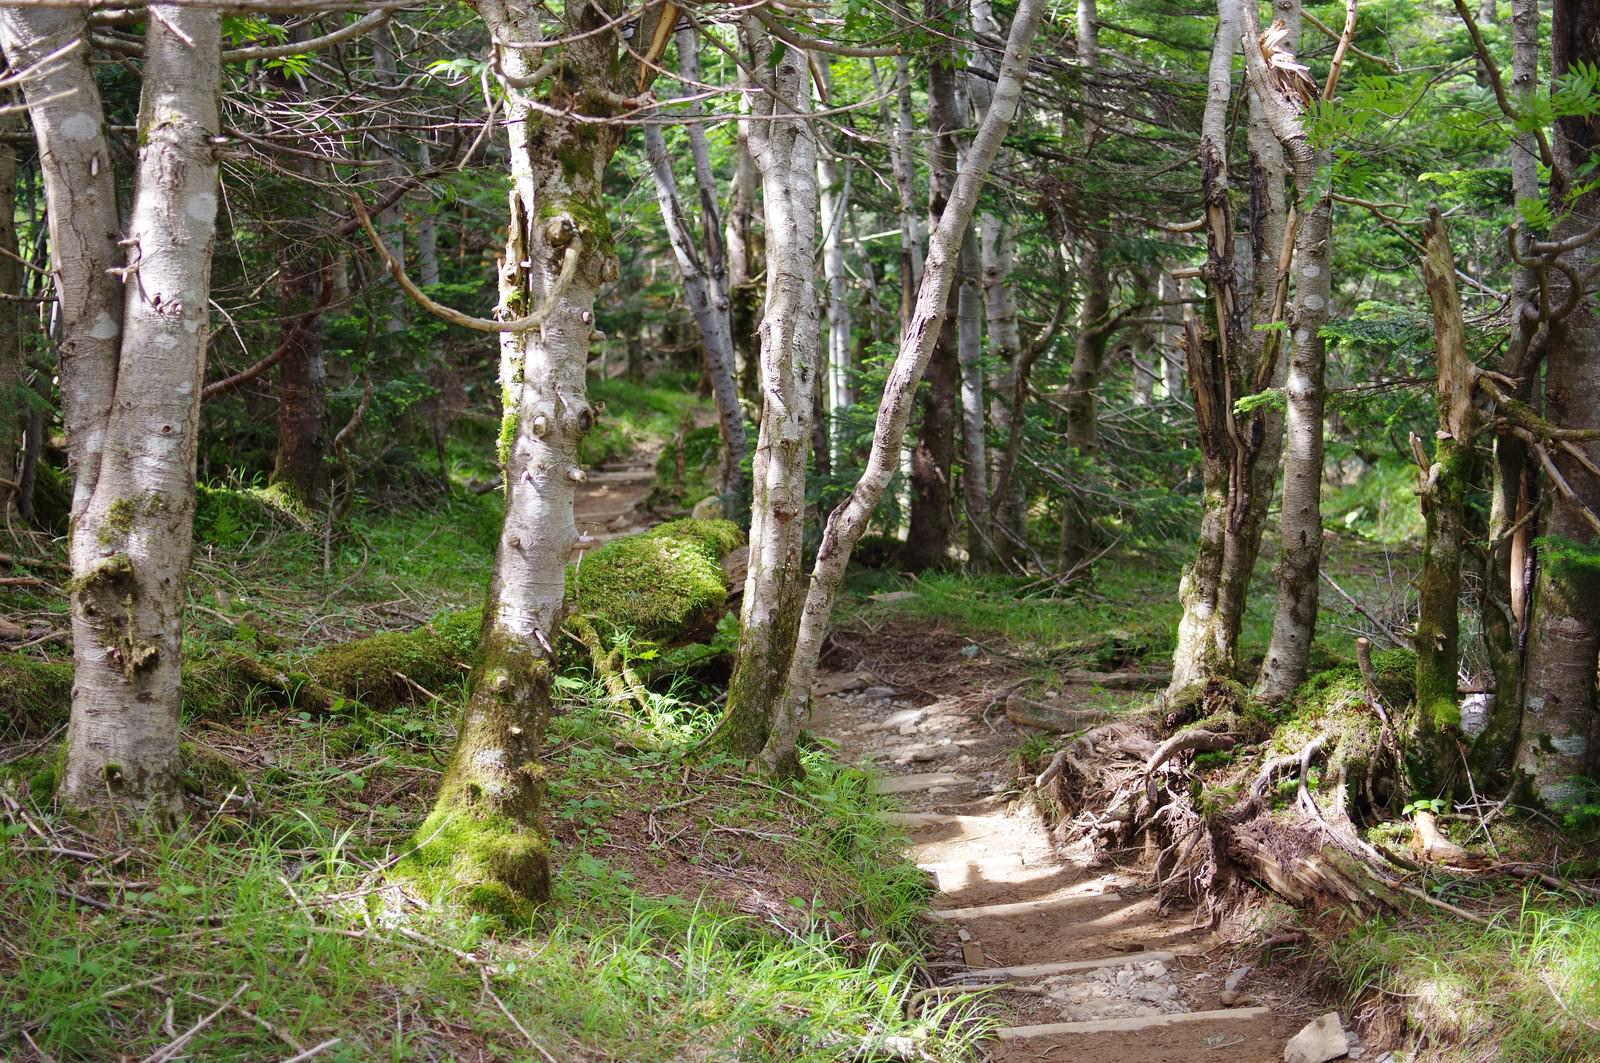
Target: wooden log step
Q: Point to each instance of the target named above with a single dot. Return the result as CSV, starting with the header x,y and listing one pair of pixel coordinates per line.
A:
x,y
984,911
903,784
1042,970
1131,1023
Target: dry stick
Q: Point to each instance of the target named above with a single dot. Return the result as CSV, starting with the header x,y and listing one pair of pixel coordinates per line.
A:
x,y
569,267
523,1030
176,1045
253,1017
1383,628
315,1050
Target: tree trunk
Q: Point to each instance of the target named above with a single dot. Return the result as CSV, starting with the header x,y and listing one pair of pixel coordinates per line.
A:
x,y
710,309
15,399
1226,360
933,460
1512,486
1005,346
744,261
1170,291
783,144
847,522
974,446
1430,734
131,377
1082,402
1295,613
835,185
735,485
485,835
301,463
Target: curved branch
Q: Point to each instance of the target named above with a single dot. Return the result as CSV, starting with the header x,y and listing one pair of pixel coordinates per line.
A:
x,y
1497,82
569,266
360,27
812,44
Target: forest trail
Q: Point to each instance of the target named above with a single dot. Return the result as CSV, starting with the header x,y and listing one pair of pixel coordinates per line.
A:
x,y
1093,969
607,505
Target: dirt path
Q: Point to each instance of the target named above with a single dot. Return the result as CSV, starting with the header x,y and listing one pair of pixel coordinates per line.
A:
x,y
1094,971
608,501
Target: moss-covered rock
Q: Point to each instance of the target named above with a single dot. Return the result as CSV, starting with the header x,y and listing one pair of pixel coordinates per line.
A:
x,y
227,516
34,695
384,670
664,584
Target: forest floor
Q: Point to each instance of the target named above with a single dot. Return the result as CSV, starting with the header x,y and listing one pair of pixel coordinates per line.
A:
x,y
1079,955
701,914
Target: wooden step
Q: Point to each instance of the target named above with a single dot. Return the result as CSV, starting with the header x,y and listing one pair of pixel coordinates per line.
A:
x,y
1042,970
1130,1023
902,784
1025,907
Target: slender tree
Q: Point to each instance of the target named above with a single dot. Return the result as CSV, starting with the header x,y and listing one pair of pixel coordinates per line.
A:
x,y
133,345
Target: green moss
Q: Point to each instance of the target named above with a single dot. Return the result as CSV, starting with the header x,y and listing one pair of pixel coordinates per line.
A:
x,y
664,583
226,516
507,438
380,670
484,860
34,695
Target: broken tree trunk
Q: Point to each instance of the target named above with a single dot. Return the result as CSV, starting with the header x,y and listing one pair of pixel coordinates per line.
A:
x,y
1430,734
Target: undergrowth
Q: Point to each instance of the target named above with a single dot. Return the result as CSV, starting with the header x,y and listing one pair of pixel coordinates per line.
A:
x,y
699,913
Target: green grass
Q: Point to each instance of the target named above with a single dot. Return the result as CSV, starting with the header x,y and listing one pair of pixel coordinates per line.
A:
x,y
1130,612
698,913
638,414
1526,990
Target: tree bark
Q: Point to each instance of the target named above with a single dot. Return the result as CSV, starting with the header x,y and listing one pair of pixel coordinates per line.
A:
x,y
835,190
1005,346
1239,452
710,309
1082,401
131,376
1557,748
1512,486
933,460
847,522
15,399
301,463
974,446
485,832
744,243
783,144
1295,612
1430,733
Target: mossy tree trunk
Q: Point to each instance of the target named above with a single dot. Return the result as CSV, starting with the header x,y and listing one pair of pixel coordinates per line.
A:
x,y
997,256
1238,451
783,144
1430,733
485,840
133,358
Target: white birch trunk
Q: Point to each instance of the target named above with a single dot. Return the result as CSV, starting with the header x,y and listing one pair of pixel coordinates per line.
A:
x,y
835,191
974,447
847,523
709,305
783,144
131,389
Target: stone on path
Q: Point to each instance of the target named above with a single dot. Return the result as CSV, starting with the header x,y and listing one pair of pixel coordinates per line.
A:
x,y
1318,1041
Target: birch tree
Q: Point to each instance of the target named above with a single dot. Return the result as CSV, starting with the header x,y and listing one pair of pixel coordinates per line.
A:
x,y
485,836
783,145
134,330
849,520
